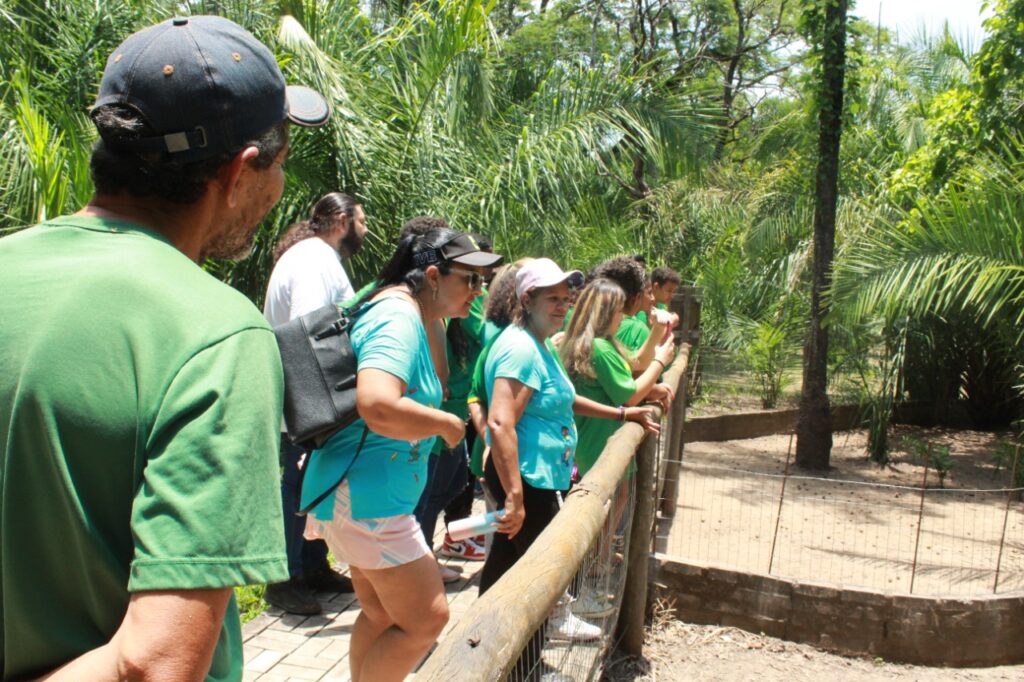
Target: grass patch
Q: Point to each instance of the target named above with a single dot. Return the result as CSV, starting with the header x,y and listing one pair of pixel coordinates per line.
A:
x,y
250,601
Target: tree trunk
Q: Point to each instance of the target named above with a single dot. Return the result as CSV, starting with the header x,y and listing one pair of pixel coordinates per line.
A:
x,y
814,428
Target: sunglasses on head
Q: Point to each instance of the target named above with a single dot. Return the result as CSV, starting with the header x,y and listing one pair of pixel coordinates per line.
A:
x,y
474,279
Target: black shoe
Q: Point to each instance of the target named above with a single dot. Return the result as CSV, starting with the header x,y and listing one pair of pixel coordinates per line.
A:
x,y
292,597
328,580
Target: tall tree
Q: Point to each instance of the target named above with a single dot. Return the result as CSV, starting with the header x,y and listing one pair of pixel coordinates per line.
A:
x,y
827,21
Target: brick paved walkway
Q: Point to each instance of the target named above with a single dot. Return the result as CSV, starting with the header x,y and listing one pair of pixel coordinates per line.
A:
x,y
281,647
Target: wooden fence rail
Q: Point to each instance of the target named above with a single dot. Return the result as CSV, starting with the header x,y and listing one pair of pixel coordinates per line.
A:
x,y
488,640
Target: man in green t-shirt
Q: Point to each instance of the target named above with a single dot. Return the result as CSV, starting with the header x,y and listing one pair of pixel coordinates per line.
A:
x,y
140,397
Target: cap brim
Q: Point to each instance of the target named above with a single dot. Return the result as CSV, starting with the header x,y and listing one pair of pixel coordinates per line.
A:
x,y
479,259
306,106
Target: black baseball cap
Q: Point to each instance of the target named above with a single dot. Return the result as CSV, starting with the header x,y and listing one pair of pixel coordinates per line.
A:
x,y
462,248
206,85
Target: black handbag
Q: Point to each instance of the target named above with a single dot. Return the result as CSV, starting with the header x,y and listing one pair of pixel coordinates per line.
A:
x,y
319,373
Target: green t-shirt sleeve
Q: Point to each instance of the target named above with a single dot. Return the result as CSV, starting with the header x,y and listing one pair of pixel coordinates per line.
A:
x,y
613,373
207,513
473,324
478,384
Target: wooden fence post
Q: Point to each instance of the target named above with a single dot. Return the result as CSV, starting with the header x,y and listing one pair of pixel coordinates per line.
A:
x,y
686,303
634,598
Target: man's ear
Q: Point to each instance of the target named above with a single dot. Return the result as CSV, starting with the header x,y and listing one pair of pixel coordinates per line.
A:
x,y
231,173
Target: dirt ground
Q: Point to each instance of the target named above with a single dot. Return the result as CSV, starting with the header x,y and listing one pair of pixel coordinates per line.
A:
x,y
857,524
833,529
682,652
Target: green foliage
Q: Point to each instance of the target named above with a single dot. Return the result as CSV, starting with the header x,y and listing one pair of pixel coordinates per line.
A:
x,y
941,461
930,454
582,130
250,601
917,448
768,351
999,74
875,356
1003,456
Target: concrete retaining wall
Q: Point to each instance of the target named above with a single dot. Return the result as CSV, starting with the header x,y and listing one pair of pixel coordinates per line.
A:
x,y
982,631
741,425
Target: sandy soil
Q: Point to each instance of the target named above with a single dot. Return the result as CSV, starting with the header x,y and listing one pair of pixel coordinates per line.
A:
x,y
856,525
680,651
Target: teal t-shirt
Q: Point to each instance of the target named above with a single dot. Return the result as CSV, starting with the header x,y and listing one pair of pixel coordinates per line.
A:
x,y
633,333
388,476
613,385
546,431
140,405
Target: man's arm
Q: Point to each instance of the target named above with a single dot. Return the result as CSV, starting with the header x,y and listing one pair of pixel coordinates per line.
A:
x,y
167,635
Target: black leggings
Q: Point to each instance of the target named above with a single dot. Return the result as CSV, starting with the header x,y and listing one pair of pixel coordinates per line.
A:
x,y
462,506
540,507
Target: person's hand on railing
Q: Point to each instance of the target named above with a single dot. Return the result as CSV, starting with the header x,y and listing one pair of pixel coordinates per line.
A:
x,y
661,394
644,416
515,515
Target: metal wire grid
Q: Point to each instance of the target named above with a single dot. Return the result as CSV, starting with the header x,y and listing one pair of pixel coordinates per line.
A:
x,y
578,635
577,638
894,538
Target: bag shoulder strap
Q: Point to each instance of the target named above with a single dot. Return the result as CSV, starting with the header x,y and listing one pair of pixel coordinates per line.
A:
x,y
323,496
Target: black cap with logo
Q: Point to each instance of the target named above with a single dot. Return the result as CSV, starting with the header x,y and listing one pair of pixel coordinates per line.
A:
x,y
462,248
205,85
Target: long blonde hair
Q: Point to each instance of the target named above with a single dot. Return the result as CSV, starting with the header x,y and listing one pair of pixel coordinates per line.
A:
x,y
592,318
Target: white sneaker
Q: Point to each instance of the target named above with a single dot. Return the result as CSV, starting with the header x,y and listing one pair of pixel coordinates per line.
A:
x,y
555,677
593,605
565,627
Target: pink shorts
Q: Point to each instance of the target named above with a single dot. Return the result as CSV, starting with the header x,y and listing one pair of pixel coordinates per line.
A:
x,y
383,542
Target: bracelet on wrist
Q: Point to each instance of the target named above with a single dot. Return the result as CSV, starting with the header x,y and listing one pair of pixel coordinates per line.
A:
x,y
622,413
659,362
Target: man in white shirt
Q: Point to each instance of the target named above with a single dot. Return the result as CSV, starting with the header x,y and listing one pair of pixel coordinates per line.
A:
x,y
308,275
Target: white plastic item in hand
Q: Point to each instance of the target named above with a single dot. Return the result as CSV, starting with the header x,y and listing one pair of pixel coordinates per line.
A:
x,y
475,525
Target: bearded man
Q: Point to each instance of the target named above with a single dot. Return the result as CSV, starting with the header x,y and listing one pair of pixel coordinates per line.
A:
x,y
308,275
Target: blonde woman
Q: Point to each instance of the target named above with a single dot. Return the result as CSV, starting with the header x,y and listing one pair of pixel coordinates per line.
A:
x,y
596,362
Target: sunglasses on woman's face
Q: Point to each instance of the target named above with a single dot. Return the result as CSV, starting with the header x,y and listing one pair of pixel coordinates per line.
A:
x,y
474,279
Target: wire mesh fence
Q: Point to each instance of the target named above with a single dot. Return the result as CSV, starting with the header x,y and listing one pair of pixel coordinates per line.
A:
x,y
574,642
580,589
893,538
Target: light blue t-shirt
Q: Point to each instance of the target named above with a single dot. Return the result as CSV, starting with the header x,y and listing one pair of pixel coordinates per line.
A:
x,y
389,475
489,332
547,430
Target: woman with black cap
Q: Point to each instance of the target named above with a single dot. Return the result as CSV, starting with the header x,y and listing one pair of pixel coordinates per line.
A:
x,y
368,522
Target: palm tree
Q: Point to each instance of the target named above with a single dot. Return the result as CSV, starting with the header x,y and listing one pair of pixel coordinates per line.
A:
x,y
814,428
428,118
954,263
